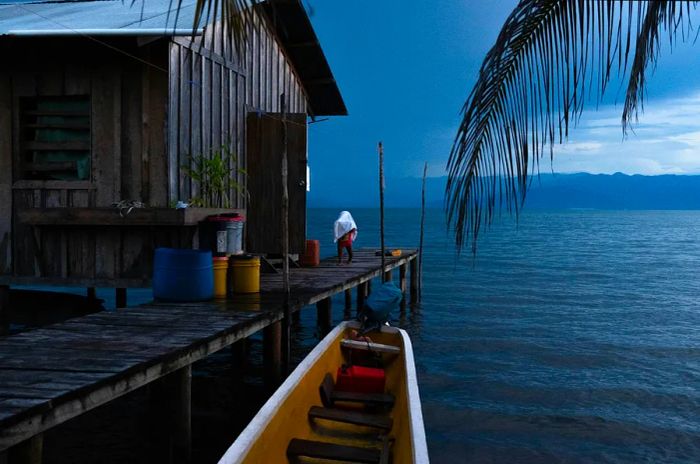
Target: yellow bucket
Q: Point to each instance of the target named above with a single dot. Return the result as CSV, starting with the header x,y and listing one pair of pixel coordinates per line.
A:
x,y
220,280
244,274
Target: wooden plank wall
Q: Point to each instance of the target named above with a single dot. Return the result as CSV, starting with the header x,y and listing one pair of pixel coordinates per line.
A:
x,y
153,106
213,87
128,101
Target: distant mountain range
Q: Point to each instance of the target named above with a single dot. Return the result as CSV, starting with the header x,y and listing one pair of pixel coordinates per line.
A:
x,y
549,191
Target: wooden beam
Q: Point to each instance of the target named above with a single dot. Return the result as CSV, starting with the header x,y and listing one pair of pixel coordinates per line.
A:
x,y
414,280
361,295
348,303
171,410
28,452
272,354
324,314
387,276
402,284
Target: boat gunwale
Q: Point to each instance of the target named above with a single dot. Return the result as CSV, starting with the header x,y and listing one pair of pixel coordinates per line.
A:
x,y
243,444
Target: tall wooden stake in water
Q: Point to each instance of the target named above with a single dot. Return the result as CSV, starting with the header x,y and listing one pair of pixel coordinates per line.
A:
x,y
422,226
381,206
285,240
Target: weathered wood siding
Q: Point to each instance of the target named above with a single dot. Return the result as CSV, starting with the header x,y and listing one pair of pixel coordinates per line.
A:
x,y
213,87
128,126
154,103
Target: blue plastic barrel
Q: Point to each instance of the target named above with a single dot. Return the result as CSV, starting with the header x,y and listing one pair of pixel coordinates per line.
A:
x,y
182,275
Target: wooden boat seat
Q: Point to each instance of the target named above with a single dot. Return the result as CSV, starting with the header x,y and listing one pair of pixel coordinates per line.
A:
x,y
333,452
370,346
379,421
329,395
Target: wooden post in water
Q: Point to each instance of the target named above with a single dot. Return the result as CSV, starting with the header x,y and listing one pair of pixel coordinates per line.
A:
x,y
4,309
171,400
361,295
272,354
422,227
402,284
414,280
120,297
381,208
28,452
348,303
324,314
387,275
286,322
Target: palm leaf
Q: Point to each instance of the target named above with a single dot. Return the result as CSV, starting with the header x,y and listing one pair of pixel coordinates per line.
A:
x,y
549,57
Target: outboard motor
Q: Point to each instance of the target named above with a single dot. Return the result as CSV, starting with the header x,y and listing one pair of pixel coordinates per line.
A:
x,y
379,305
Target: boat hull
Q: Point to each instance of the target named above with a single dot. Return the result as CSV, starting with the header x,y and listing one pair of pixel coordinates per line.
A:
x,y
284,415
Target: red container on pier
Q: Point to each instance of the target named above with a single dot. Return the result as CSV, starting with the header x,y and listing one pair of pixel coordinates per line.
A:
x,y
312,254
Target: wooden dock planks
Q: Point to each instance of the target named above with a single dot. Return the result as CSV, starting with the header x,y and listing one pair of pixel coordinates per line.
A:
x,y
53,374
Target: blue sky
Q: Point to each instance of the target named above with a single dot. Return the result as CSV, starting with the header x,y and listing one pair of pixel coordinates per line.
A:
x,y
405,68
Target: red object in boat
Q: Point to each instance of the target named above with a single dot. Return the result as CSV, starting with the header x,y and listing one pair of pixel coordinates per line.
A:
x,y
360,379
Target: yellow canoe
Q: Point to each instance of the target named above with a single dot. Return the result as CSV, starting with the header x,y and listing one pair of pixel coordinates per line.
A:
x,y
307,421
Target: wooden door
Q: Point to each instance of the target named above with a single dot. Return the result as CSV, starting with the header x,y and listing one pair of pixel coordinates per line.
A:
x,y
264,142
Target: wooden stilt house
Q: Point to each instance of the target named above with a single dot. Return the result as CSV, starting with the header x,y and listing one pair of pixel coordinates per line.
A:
x,y
103,103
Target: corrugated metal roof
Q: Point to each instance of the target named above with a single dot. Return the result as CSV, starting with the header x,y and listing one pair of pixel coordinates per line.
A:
x,y
143,17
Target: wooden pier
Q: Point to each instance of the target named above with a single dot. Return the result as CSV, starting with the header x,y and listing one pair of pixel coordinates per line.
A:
x,y
53,374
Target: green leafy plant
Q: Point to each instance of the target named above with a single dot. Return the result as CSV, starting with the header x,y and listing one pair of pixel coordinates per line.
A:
x,y
216,179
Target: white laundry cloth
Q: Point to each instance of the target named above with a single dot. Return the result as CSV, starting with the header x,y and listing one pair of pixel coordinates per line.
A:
x,y
344,224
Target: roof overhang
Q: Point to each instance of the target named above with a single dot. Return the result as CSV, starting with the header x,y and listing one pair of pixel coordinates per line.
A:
x,y
293,28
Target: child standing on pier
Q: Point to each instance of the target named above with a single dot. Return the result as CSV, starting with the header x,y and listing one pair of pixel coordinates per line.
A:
x,y
344,233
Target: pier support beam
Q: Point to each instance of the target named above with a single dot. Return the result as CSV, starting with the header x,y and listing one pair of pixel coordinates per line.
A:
x,y
272,354
28,452
4,309
402,284
324,314
120,296
414,281
171,400
387,276
362,291
348,304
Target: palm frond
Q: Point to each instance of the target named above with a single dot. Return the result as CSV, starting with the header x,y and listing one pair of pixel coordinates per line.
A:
x,y
235,17
550,57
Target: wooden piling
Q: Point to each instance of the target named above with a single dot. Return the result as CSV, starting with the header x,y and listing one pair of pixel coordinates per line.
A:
x,y
414,280
381,208
171,399
272,354
4,309
120,296
361,295
28,452
324,314
286,322
387,276
348,303
422,229
402,284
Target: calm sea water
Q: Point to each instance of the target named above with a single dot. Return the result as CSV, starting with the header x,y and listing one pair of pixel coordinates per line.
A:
x,y
573,337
